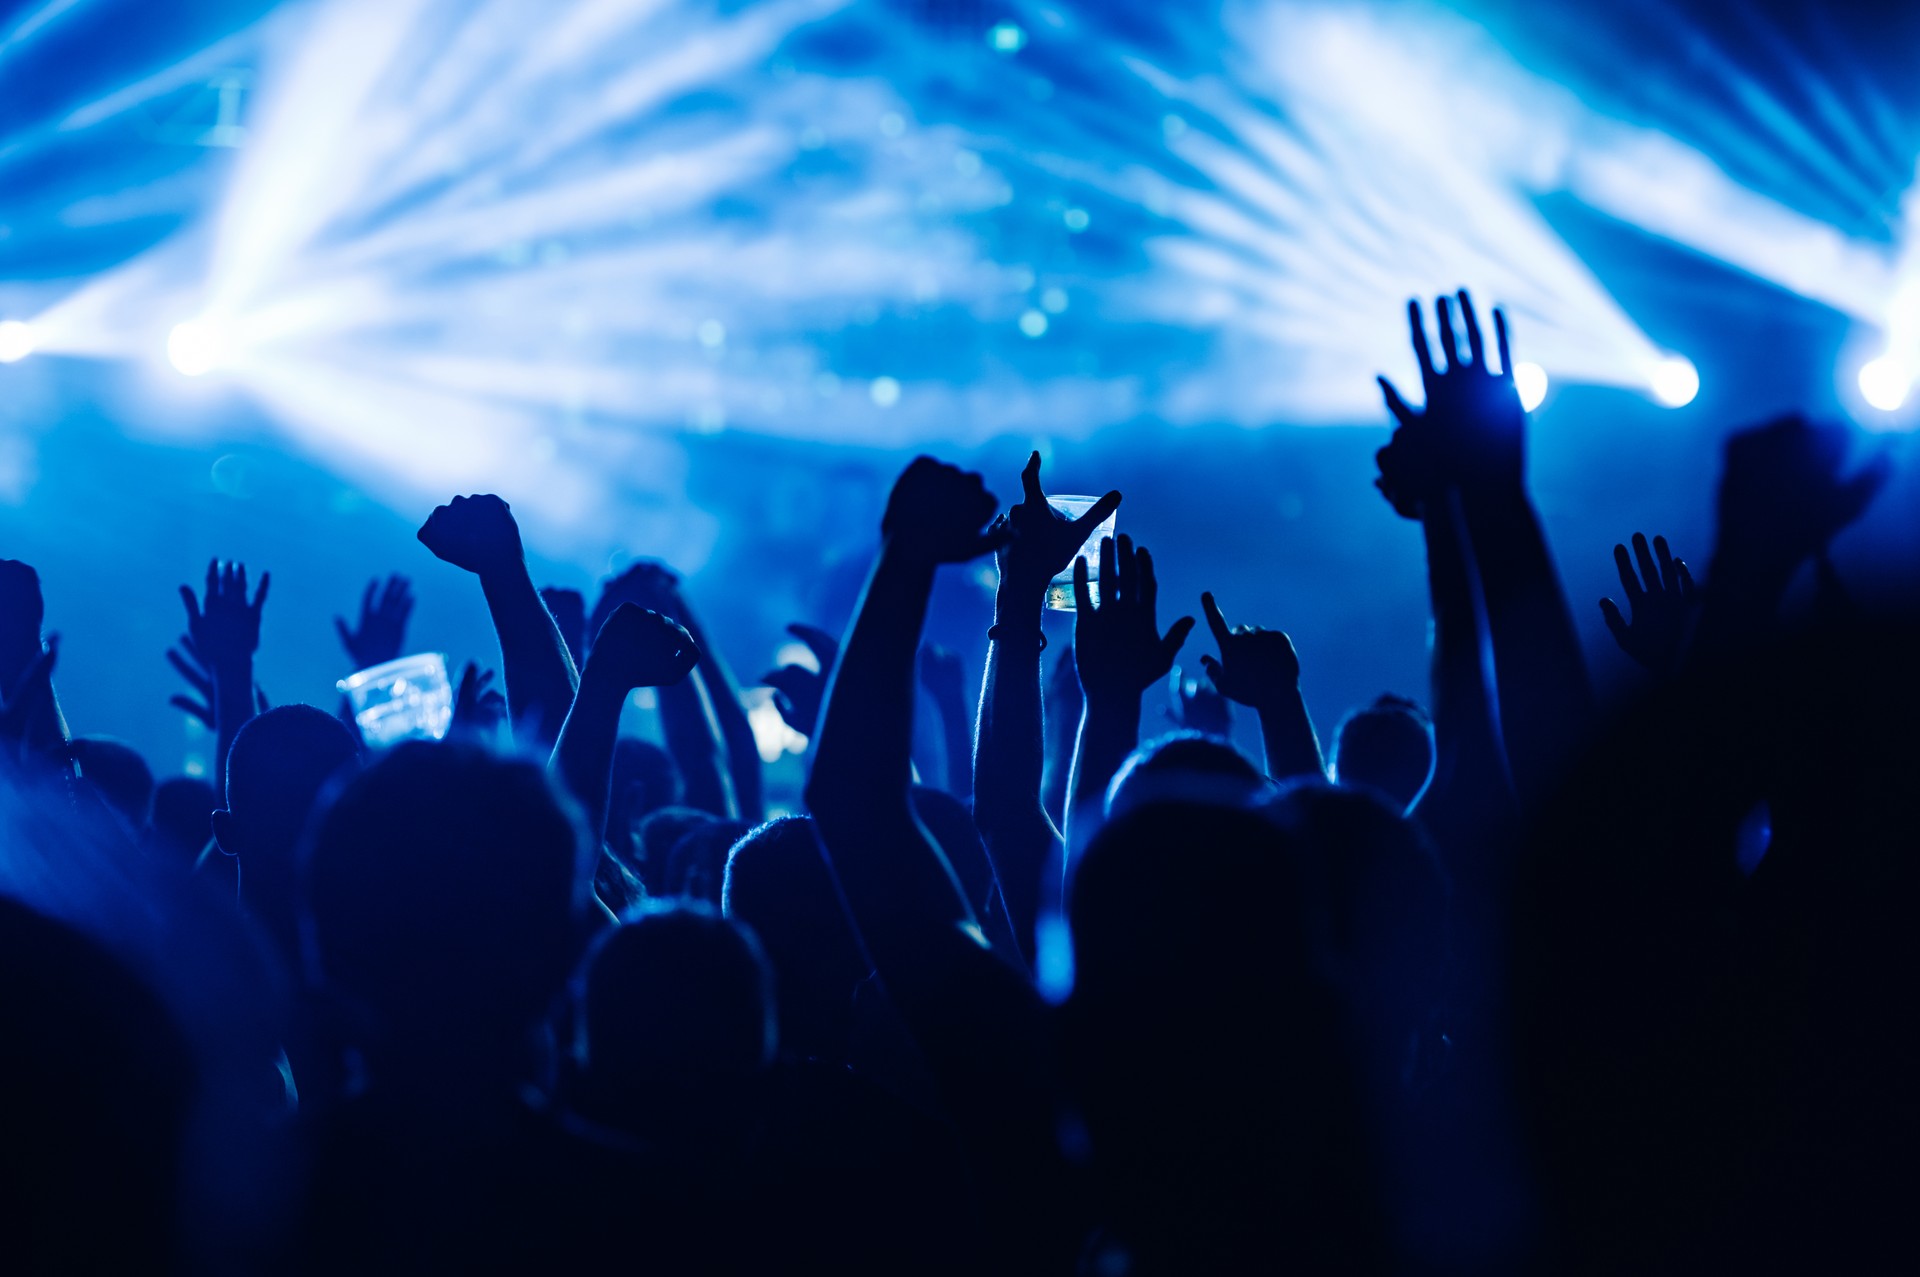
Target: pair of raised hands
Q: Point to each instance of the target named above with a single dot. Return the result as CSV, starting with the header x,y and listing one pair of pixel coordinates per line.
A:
x,y
941,514
632,646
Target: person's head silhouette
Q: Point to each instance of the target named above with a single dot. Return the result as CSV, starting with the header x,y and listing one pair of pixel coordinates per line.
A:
x,y
279,764
446,894
778,883
1387,747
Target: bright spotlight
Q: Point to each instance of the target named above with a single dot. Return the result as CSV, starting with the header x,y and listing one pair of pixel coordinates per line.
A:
x,y
16,341
195,347
1531,381
1675,381
1885,383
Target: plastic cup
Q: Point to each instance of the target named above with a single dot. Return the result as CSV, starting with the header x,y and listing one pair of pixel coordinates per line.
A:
x,y
407,699
1060,590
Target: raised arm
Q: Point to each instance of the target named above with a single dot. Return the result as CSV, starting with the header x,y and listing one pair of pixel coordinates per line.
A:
x,y
1661,602
898,887
41,726
635,648
729,711
1009,755
688,715
1471,791
1473,429
478,534
223,633
1784,496
1120,653
1259,669
943,677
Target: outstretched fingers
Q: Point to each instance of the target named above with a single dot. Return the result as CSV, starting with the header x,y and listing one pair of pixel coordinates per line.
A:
x,y
1649,569
1396,405
1476,344
1417,326
1629,579
1099,514
1616,623
1215,621
1030,481
1500,343
1176,638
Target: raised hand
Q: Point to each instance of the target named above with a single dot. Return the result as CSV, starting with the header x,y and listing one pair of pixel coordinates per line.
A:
x,y
478,710
1256,667
797,690
1117,647
225,629
1662,607
638,648
1044,541
646,584
1784,495
1472,432
476,533
1198,707
381,635
936,514
187,664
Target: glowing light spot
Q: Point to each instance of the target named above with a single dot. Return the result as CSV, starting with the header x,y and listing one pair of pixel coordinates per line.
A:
x,y
1172,127
885,392
1033,323
196,347
16,341
1884,382
1531,381
1054,301
1006,37
966,163
712,334
1675,382
1076,219
892,125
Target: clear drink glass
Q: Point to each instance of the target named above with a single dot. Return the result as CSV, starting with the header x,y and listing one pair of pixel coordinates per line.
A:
x,y
1060,589
407,699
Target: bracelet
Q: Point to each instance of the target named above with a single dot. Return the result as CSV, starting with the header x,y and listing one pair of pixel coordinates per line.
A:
x,y
994,635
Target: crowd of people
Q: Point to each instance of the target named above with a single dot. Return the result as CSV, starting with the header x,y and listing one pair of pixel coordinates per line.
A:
x,y
1508,982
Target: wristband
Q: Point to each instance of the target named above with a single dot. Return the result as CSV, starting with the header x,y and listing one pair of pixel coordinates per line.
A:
x,y
995,635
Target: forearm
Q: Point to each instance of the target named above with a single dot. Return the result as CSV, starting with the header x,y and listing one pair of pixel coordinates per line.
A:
x,y
539,674
1009,759
1546,704
957,738
1286,730
736,733
895,880
1466,718
694,742
233,706
1109,730
583,759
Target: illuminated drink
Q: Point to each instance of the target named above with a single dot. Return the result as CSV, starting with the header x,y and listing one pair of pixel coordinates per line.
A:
x,y
407,699
1060,590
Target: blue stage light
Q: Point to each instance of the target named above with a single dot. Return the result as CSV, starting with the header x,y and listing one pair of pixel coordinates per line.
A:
x,y
1885,383
17,341
1675,381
